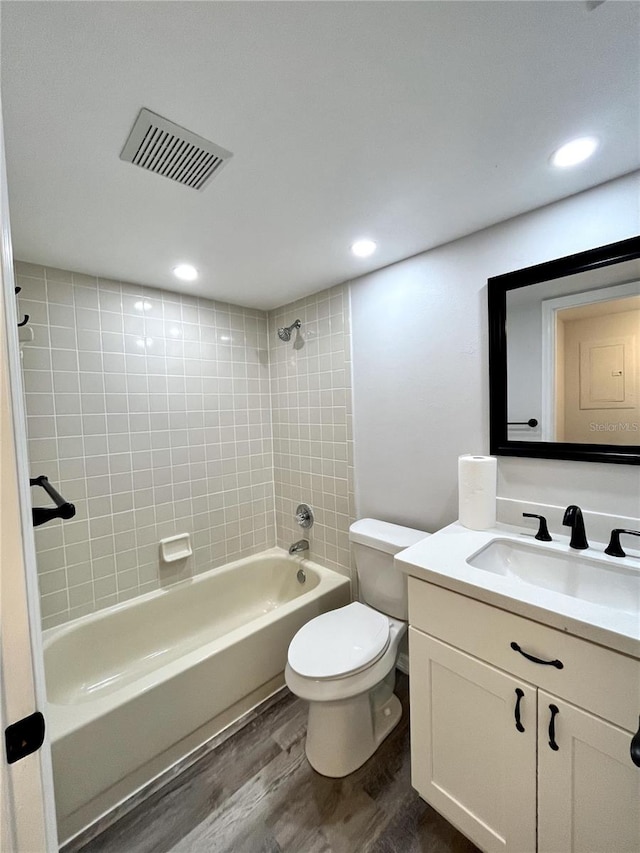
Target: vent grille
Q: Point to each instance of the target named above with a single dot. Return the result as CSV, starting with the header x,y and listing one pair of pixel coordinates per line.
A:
x,y
160,146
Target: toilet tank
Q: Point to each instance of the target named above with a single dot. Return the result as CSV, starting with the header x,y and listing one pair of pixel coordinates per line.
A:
x,y
374,544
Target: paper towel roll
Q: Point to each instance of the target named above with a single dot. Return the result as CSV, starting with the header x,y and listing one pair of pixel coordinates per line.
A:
x,y
477,476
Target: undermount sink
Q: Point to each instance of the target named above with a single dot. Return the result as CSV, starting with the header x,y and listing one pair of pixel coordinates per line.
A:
x,y
577,575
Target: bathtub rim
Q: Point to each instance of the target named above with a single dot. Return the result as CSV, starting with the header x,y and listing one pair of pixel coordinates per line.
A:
x,y
50,634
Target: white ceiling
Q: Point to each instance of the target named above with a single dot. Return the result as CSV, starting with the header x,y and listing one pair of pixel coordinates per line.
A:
x,y
411,123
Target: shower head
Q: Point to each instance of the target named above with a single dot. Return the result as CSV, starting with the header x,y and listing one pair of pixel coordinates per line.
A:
x,y
285,332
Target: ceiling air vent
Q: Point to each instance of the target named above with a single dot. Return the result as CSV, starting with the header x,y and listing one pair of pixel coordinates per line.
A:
x,y
167,149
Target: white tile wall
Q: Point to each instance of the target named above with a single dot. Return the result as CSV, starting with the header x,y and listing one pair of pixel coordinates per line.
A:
x,y
151,412
312,424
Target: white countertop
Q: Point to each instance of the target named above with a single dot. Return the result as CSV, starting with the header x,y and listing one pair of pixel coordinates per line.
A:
x,y
442,559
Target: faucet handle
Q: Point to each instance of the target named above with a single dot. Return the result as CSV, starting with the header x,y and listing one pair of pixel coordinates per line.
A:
x,y
543,531
614,549
304,516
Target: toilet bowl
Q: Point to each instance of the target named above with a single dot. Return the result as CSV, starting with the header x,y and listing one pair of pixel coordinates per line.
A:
x,y
343,662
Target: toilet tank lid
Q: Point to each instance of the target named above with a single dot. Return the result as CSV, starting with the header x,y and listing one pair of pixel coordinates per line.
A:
x,y
384,536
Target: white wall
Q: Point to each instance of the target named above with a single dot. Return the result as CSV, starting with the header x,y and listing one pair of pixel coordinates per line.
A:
x,y
420,367
524,358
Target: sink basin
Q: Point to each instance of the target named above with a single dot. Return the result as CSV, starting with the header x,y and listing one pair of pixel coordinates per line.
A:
x,y
577,575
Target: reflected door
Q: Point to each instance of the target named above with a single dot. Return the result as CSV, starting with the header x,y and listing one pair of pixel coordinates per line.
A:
x,y
599,395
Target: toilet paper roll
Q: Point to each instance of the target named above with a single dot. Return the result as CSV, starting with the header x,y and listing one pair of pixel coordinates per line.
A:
x,y
477,477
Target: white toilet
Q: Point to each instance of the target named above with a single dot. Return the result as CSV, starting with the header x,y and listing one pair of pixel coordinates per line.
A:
x,y
343,662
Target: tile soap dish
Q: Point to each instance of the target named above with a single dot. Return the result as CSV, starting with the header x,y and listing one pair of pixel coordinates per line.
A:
x,y
175,548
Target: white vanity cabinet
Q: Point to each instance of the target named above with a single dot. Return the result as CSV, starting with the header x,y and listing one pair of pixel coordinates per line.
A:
x,y
589,789
483,741
468,760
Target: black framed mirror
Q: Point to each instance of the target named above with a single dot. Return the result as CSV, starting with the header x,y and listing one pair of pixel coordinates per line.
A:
x,y
564,357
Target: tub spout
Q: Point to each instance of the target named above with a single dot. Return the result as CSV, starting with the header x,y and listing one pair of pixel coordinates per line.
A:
x,y
301,545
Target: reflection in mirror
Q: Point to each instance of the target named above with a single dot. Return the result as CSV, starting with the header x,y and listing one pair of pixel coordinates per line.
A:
x,y
573,358
564,357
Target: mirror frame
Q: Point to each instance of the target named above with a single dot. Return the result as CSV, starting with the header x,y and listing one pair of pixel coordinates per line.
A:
x,y
498,287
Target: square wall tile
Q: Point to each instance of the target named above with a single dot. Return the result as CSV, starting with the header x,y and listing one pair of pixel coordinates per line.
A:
x,y
115,400
310,396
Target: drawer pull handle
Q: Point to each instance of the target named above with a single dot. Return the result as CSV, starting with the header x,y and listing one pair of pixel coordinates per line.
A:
x,y
635,746
557,663
516,711
552,727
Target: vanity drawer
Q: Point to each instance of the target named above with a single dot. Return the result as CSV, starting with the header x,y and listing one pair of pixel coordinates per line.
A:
x,y
602,681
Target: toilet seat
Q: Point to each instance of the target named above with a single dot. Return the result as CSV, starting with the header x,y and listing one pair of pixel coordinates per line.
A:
x,y
340,642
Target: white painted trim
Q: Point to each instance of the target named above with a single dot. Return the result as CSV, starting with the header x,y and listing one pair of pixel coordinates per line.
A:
x,y
548,371
550,308
29,807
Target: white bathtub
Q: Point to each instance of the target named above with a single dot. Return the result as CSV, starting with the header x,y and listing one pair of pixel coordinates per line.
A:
x,y
137,687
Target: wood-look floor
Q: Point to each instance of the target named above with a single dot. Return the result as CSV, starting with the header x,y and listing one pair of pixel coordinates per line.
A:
x,y
256,793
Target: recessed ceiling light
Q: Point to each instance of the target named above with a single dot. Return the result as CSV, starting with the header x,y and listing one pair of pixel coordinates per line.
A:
x,y
185,272
363,248
574,152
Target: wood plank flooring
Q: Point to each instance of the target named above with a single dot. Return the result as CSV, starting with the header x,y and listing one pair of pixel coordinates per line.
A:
x,y
256,793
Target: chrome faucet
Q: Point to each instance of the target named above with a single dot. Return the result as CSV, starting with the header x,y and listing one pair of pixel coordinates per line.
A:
x,y
573,519
301,545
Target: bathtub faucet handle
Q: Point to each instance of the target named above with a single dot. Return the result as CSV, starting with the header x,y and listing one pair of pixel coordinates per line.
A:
x,y
301,545
304,516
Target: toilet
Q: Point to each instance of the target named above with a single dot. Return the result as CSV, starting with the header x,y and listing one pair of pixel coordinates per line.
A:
x,y
343,662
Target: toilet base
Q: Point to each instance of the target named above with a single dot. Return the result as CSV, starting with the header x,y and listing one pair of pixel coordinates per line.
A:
x,y
343,734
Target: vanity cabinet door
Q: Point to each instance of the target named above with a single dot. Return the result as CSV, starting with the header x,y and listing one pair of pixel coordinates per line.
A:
x,y
588,788
469,758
